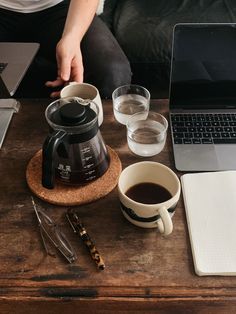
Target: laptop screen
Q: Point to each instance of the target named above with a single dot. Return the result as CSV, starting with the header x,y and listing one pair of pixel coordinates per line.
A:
x,y
203,66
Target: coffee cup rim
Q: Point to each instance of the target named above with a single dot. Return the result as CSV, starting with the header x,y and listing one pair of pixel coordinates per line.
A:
x,y
175,196
79,84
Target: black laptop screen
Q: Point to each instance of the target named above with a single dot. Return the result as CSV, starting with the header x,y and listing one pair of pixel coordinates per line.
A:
x,y
203,67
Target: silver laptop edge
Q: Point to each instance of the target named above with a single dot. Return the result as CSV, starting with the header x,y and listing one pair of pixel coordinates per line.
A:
x,y
18,62
203,157
18,57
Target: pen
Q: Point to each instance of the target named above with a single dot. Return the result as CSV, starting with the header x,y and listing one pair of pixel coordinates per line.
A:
x,y
79,228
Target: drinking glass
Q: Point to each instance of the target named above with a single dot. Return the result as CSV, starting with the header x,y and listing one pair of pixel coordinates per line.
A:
x,y
146,133
129,99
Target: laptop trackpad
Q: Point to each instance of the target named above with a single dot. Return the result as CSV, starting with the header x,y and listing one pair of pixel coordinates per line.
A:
x,y
196,158
226,155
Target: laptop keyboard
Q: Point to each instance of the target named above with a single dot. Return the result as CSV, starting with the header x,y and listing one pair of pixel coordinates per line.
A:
x,y
207,128
2,66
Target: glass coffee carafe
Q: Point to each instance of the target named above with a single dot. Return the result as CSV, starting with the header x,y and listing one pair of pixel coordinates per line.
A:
x,y
74,152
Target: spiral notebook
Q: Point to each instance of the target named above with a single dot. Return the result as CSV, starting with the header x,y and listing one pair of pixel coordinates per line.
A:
x,y
210,205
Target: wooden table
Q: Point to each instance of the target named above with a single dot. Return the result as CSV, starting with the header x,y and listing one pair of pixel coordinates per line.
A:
x,y
145,272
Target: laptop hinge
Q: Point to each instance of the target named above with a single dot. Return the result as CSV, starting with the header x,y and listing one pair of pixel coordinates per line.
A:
x,y
4,93
7,108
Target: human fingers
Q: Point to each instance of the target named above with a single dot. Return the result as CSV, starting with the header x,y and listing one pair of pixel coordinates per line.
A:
x,y
77,70
55,94
64,68
55,83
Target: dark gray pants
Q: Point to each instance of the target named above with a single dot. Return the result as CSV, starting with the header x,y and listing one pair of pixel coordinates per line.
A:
x,y
105,64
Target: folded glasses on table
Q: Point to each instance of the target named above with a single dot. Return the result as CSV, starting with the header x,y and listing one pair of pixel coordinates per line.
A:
x,y
50,231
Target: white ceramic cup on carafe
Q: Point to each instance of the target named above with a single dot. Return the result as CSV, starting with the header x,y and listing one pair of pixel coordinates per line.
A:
x,y
84,91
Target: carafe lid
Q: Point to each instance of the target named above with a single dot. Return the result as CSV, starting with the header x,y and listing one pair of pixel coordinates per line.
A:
x,y
73,114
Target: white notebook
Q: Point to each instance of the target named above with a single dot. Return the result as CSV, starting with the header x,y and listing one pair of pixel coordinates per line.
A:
x,y
210,205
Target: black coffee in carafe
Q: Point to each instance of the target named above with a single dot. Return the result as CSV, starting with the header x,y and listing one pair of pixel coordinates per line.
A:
x,y
74,152
85,162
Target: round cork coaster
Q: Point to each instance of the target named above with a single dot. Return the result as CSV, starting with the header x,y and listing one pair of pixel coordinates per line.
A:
x,y
68,195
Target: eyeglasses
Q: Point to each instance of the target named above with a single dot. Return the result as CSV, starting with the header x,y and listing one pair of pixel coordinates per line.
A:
x,y
49,230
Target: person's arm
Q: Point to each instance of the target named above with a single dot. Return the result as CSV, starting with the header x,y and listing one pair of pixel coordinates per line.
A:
x,y
68,52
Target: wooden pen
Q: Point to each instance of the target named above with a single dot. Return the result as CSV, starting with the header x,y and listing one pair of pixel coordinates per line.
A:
x,y
79,228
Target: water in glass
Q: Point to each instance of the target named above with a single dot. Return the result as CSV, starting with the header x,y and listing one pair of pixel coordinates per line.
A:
x,y
126,105
146,140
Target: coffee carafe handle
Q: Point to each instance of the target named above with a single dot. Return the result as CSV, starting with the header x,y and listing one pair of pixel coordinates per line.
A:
x,y
49,149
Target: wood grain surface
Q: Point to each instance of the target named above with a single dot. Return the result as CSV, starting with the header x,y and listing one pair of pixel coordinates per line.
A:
x,y
145,272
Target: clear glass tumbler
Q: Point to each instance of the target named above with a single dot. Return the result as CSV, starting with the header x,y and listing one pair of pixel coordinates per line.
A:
x,y
146,133
129,99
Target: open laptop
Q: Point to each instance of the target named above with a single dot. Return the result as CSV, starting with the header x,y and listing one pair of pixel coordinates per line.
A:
x,y
203,97
15,58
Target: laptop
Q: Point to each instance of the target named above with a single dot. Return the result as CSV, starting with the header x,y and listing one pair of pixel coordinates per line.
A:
x,y
15,58
203,97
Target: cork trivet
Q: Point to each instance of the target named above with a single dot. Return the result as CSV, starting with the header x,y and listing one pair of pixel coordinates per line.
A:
x,y
67,195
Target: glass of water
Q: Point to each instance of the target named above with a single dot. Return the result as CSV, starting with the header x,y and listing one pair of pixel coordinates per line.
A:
x,y
146,133
129,99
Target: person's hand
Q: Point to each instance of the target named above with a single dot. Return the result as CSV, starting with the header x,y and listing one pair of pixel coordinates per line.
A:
x,y
69,64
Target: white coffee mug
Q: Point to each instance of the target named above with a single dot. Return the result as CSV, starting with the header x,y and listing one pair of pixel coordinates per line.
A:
x,y
149,215
84,91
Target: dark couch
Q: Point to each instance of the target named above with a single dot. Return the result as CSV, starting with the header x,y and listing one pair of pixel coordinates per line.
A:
x,y
143,28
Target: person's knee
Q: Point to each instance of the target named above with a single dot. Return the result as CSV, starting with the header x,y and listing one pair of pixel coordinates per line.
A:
x,y
115,74
111,74
106,65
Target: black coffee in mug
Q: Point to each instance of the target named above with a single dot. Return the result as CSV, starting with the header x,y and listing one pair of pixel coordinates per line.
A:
x,y
148,193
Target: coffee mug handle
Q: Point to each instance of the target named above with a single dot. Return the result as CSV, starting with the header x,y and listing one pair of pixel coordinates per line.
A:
x,y
164,224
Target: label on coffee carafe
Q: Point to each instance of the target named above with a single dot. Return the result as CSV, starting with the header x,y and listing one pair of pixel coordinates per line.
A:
x,y
64,172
